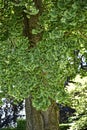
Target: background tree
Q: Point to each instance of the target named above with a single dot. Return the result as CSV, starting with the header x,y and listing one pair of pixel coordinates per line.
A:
x,y
37,43
79,102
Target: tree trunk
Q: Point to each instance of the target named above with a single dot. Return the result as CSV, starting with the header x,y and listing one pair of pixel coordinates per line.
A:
x,y
41,120
32,23
38,120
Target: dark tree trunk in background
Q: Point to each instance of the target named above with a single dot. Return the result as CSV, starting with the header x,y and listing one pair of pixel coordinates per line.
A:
x,y
38,120
41,120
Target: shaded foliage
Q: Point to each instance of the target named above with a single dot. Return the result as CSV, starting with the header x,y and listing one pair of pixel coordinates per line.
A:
x,y
21,125
65,113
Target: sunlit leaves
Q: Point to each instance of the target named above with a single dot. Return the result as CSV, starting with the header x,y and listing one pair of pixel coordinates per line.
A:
x,y
41,71
79,102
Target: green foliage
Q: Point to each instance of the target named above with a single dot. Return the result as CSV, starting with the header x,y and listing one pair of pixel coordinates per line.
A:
x,y
21,124
41,71
79,102
64,126
80,124
8,129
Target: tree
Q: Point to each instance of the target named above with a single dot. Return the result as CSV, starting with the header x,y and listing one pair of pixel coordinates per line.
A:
x,y
37,42
79,102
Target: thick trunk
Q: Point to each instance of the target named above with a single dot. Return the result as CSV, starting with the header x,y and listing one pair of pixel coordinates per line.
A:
x,y
38,120
41,120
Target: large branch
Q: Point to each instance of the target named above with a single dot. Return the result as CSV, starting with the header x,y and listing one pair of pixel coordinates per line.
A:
x,y
32,23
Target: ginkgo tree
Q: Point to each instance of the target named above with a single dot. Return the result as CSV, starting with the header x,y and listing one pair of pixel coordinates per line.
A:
x,y
38,39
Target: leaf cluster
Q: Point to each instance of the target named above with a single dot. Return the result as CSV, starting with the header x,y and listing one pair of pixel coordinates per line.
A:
x,y
41,71
79,102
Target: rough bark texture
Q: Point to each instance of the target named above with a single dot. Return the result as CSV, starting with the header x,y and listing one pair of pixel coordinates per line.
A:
x,y
38,120
33,117
41,120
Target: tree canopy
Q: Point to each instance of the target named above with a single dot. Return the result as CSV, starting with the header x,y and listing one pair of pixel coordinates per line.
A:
x,y
40,71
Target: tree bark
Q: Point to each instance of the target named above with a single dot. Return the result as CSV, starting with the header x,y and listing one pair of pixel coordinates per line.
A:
x,y
38,120
32,23
41,120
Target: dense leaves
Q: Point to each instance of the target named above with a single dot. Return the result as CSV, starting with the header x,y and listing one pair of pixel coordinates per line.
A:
x,y
79,102
41,71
